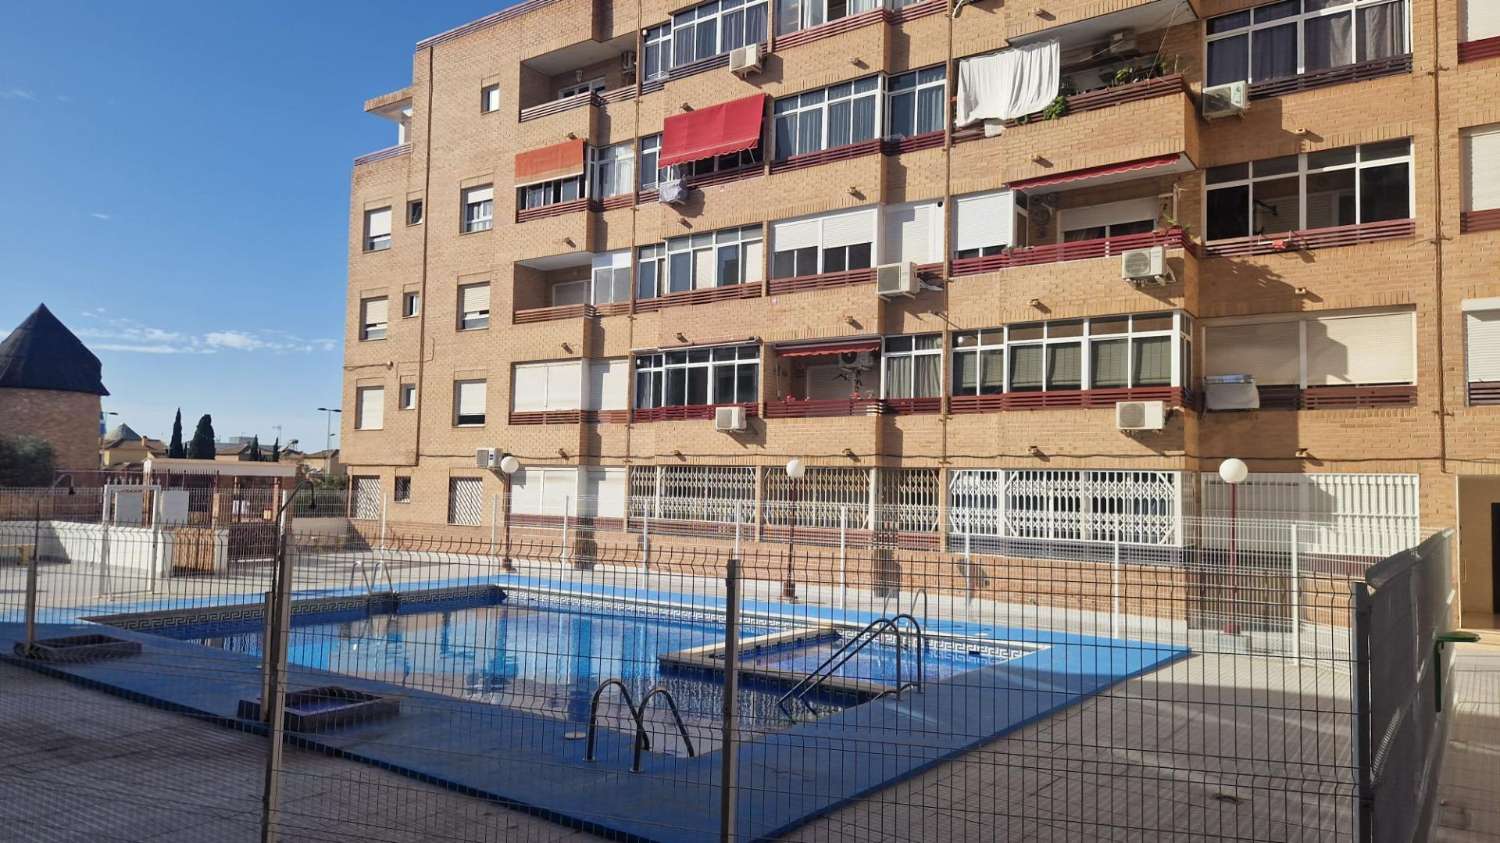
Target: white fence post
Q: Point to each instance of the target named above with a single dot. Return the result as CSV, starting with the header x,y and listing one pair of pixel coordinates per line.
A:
x,y
1296,596
844,558
1114,593
567,505
382,519
494,521
646,544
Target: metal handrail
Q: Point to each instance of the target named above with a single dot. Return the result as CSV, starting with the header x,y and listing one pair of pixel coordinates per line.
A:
x,y
635,764
871,633
640,728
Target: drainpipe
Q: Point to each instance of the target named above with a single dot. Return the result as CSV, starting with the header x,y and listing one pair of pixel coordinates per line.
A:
x,y
1439,237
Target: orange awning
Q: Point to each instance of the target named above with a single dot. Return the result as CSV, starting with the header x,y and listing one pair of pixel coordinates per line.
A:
x,y
716,130
550,162
828,349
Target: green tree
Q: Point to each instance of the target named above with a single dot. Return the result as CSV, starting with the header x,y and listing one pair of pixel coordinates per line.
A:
x,y
276,450
26,461
255,455
176,450
202,446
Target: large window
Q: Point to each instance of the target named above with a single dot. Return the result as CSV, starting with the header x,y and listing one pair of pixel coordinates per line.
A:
x,y
473,306
1334,187
468,403
794,15
700,261
1284,39
377,230
912,367
611,170
1111,352
724,375
1481,168
1309,350
826,118
556,385
914,102
657,60
609,280
369,408
651,175
374,316
979,362
713,28
479,208
829,243
553,192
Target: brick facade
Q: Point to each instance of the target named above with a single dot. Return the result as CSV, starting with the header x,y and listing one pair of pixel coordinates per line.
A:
x,y
68,420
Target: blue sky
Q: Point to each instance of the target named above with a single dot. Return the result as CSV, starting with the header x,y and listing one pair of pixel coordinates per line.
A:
x,y
176,182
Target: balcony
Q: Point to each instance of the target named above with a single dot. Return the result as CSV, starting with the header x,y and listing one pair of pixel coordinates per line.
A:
x,y
576,285
546,417
1102,247
1174,396
792,408
687,412
1292,397
1484,48
383,154
694,297
888,14
1093,100
588,74
1362,72
1311,239
1472,222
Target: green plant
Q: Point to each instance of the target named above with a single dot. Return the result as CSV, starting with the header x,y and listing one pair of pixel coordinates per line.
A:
x,y
1055,109
26,461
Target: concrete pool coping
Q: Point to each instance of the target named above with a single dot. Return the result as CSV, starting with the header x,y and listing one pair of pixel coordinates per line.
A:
x,y
526,761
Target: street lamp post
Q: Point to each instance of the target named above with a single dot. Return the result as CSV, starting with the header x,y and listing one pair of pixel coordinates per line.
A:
x,y
509,465
794,471
1233,471
328,426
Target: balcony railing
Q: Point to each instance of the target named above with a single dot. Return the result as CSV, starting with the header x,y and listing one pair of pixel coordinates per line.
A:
x,y
1291,397
1312,238
1470,222
1484,393
687,412
791,408
1077,250
1094,100
824,281
826,156
382,154
912,143
691,297
1485,48
1362,72
548,314
535,417
578,100
1066,398
557,210
913,406
863,19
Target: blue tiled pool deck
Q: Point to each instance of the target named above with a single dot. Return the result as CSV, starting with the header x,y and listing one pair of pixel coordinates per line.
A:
x,y
529,761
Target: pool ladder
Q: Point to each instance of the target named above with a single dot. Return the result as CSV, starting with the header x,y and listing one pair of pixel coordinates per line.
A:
x,y
867,636
638,714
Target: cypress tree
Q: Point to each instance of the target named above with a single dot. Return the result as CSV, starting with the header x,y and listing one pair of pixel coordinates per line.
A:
x,y
276,450
175,449
202,446
255,449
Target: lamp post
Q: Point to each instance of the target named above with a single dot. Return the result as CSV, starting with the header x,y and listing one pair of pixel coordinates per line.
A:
x,y
1233,471
794,471
508,465
328,426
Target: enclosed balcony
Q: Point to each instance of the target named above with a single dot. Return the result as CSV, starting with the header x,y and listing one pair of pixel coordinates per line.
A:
x,y
587,74
575,285
826,378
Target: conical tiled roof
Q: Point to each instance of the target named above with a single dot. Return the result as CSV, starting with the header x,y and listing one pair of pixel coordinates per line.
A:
x,y
122,431
41,353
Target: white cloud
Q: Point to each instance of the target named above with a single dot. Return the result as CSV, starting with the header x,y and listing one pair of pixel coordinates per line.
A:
x,y
237,340
131,336
17,94
100,215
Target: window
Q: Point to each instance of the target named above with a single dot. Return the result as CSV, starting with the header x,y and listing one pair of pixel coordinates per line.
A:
x,y
1335,187
912,367
829,243
474,306
794,15
658,52
912,233
1481,168
979,362
367,503
610,281
378,230
650,271
984,223
1291,37
402,493
489,99
538,387
468,403
580,88
479,209
611,170
466,501
826,118
724,375
408,396
414,211
545,491
651,175
411,304
1114,352
1482,349
914,102
699,261
373,318
369,407
713,28
1327,349
554,192
650,154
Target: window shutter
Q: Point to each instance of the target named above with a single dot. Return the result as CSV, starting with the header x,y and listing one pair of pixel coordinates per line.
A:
x,y
1130,210
984,219
609,382
849,229
602,493
475,298
754,262
478,194
1481,19
376,311
910,234
794,235
1372,348
1482,344
371,408
559,491
471,398
564,385
379,222
526,491
704,274
1482,165
1268,351
612,260
529,388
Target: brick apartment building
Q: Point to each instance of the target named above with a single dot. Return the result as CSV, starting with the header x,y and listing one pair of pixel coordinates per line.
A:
x,y
594,233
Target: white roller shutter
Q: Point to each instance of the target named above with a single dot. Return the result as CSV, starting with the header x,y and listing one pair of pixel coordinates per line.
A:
x,y
800,234
609,382
754,261
1268,351
1370,348
1482,344
564,385
849,229
476,298
911,234
470,398
1129,210
376,311
529,388
705,272
984,219
559,491
602,493
378,222
476,195
1482,164
526,491
1481,19
371,408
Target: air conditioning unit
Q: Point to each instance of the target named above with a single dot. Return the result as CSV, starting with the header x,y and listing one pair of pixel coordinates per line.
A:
x,y
1231,392
487,458
859,361
729,419
671,192
744,60
1226,100
1141,415
1146,266
1122,42
896,279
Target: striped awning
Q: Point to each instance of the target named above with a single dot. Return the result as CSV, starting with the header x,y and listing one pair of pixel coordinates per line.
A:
x,y
1157,165
557,161
826,349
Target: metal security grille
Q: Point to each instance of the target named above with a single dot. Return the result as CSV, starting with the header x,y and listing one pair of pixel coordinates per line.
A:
x,y
366,498
709,493
825,497
1137,507
1350,514
466,501
908,499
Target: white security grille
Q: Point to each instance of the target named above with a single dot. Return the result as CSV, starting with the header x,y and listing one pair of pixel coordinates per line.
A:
x,y
712,493
1138,507
908,499
466,501
366,498
823,495
1350,514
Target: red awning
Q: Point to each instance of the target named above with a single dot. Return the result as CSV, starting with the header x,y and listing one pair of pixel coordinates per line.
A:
x,y
717,130
829,348
1101,173
550,162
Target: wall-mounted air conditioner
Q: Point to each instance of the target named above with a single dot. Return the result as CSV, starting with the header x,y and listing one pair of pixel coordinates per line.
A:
x,y
744,60
729,419
1231,392
487,458
896,279
1141,415
1229,100
1143,267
